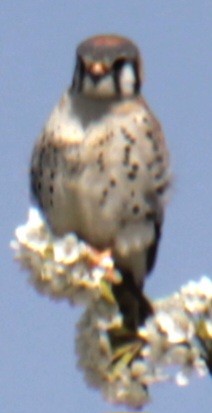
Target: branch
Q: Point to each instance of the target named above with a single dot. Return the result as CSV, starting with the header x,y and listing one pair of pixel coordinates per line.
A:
x,y
174,343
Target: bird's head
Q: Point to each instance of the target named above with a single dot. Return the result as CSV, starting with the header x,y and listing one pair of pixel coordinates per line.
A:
x,y
107,66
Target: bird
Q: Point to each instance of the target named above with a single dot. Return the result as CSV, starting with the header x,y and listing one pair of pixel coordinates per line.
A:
x,y
100,167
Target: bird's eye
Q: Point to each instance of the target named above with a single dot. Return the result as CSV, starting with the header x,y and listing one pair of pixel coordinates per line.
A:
x,y
118,64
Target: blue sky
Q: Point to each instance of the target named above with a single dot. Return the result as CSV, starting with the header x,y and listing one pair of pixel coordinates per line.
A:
x,y
37,44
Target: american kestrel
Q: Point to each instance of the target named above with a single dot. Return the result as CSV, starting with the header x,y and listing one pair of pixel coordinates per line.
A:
x,y
100,167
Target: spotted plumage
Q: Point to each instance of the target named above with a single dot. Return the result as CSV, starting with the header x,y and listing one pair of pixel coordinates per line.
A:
x,y
100,167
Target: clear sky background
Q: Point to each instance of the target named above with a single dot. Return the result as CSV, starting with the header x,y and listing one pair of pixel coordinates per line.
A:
x,y
38,370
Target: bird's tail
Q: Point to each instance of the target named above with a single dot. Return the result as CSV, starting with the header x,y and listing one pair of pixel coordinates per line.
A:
x,y
134,305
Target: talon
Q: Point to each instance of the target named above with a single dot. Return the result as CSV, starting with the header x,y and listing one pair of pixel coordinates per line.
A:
x,y
101,258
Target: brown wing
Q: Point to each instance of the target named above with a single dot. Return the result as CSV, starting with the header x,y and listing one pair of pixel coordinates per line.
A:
x,y
160,165
160,170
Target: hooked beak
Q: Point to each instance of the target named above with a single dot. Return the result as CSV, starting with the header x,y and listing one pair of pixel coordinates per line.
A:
x,y
97,69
